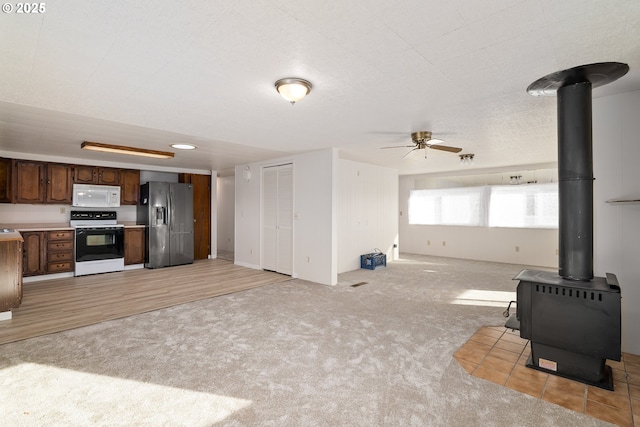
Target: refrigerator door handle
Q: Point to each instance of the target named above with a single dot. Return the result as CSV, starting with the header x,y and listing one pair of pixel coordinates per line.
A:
x,y
169,211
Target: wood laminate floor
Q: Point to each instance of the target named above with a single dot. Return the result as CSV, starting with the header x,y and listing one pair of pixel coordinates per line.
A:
x,y
61,304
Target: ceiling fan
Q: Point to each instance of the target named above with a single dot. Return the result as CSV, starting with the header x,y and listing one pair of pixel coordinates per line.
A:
x,y
422,140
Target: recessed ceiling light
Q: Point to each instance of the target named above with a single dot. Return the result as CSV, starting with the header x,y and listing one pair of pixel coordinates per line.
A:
x,y
184,146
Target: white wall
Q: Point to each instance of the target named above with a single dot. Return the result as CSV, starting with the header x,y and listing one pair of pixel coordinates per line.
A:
x,y
367,212
616,154
314,233
226,212
537,247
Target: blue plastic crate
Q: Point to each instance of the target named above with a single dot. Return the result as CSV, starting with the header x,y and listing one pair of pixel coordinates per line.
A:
x,y
373,260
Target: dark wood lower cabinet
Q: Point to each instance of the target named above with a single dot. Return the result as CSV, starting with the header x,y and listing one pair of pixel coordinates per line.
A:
x,y
133,245
60,251
11,277
33,253
47,252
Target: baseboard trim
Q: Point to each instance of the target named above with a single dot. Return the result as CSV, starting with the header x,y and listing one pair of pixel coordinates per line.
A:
x,y
246,264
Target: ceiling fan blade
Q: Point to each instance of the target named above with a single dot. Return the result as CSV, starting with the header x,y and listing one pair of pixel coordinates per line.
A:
x,y
410,152
398,146
434,141
445,148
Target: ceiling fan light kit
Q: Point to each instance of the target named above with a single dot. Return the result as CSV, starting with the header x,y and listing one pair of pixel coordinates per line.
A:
x,y
293,89
422,140
466,159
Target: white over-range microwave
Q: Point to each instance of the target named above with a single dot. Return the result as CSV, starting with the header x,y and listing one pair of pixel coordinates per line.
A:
x,y
96,196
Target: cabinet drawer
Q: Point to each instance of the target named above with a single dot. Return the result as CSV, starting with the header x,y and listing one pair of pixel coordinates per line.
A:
x,y
59,267
60,245
60,235
60,256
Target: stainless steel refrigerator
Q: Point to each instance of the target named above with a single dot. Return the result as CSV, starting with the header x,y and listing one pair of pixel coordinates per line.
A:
x,y
166,208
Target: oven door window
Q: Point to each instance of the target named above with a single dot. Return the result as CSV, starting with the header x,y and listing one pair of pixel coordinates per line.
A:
x,y
99,243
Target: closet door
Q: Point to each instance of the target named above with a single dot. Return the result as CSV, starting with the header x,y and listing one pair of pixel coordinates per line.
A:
x,y
284,230
277,219
269,218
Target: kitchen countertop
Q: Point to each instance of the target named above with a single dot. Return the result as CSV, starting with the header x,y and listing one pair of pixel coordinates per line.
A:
x,y
39,226
55,226
131,224
9,235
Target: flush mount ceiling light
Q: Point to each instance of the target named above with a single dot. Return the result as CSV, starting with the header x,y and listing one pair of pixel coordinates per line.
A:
x,y
122,149
184,146
293,89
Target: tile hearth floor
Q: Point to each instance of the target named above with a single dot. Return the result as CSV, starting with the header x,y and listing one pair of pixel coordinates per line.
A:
x,y
499,356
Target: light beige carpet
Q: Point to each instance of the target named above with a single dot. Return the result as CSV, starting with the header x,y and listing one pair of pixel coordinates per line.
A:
x,y
289,354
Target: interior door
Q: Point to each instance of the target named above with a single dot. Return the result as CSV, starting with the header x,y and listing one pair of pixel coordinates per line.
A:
x,y
269,218
202,215
284,230
277,219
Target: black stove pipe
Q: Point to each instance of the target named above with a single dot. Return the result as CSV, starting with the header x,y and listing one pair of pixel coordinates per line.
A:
x,y
575,180
575,160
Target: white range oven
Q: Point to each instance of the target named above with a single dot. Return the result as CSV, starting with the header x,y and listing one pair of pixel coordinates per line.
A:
x,y
99,242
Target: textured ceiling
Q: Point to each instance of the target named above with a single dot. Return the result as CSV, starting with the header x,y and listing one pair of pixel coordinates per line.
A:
x,y
149,73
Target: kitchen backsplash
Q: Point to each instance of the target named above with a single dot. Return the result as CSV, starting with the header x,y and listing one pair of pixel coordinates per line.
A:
x,y
27,214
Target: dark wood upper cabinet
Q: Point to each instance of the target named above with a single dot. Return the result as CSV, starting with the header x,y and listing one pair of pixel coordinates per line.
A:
x,y
33,182
6,191
59,184
39,182
108,176
95,175
129,187
28,181
85,174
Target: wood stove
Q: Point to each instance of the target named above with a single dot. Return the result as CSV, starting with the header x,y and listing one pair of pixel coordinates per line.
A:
x,y
571,318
